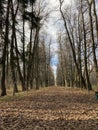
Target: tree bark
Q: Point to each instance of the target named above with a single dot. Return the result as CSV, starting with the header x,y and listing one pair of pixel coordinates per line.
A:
x,y
3,86
89,87
92,36
12,62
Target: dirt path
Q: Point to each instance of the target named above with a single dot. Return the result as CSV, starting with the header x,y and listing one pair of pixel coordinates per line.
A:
x,y
53,108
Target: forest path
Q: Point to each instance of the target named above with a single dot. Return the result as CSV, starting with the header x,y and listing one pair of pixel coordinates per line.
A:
x,y
52,108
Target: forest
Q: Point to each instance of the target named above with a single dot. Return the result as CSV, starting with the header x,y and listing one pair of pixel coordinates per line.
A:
x,y
49,64
25,56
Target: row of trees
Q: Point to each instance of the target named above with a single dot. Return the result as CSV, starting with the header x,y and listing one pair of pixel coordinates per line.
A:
x,y
24,53
25,56
78,43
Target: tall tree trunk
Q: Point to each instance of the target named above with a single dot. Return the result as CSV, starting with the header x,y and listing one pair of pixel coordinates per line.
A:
x,y
79,49
92,38
37,59
89,87
62,64
96,18
45,65
3,87
7,65
28,78
30,67
24,67
96,24
13,66
12,62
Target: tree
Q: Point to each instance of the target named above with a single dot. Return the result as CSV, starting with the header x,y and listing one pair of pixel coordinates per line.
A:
x,y
85,50
3,87
92,33
71,44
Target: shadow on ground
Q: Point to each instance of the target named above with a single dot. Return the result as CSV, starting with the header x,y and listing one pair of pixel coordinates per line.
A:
x,y
21,123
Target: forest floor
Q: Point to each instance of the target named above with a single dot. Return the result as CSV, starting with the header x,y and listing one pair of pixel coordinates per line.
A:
x,y
52,108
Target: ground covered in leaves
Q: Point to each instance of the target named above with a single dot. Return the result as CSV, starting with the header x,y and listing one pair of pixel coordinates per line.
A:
x,y
53,108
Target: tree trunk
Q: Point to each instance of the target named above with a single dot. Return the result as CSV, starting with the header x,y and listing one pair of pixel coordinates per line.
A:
x,y
12,62
37,59
92,37
29,61
3,87
24,67
96,18
62,64
89,87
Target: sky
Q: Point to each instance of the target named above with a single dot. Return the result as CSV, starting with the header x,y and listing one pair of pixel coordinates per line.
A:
x,y
52,31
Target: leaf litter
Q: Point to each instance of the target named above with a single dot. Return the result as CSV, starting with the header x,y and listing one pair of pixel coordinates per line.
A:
x,y
53,108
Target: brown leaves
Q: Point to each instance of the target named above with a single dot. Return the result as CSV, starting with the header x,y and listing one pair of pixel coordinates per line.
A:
x,y
53,108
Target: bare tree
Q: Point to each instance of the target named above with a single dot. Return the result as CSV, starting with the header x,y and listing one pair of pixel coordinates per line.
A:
x,y
71,44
